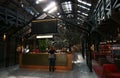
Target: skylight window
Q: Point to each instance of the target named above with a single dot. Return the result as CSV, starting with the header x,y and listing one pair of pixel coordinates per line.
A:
x,y
50,8
38,1
42,16
51,5
80,19
85,14
82,16
78,22
67,7
82,13
79,11
85,3
83,7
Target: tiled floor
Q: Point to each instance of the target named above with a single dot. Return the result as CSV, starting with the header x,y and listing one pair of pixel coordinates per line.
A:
x,y
80,70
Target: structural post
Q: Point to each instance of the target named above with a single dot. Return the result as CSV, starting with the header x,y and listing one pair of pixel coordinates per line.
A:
x,y
83,49
89,54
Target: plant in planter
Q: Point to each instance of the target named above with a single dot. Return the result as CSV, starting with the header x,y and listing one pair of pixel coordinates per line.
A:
x,y
43,44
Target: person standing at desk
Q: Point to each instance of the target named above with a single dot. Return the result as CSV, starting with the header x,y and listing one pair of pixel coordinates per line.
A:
x,y
51,59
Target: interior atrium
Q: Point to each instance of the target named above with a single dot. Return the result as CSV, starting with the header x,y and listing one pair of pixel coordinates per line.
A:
x,y
90,27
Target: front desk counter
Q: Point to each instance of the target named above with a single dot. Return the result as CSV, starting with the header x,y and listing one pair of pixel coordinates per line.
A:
x,y
40,61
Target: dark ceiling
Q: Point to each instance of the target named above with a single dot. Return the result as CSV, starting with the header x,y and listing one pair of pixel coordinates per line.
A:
x,y
16,15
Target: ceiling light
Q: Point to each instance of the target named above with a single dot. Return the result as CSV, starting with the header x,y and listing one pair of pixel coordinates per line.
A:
x,y
45,36
51,5
83,2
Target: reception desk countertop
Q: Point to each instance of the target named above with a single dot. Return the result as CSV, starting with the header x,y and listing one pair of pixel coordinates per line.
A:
x,y
40,61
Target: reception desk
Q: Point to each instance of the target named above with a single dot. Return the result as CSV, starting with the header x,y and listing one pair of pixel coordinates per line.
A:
x,y
40,61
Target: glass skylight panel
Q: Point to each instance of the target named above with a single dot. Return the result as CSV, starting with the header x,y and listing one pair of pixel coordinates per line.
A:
x,y
83,2
79,11
67,7
58,13
81,16
51,5
83,7
78,22
85,14
82,13
42,16
38,1
32,13
52,10
59,16
80,19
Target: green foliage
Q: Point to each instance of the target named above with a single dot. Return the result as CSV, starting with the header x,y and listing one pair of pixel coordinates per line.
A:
x,y
43,44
